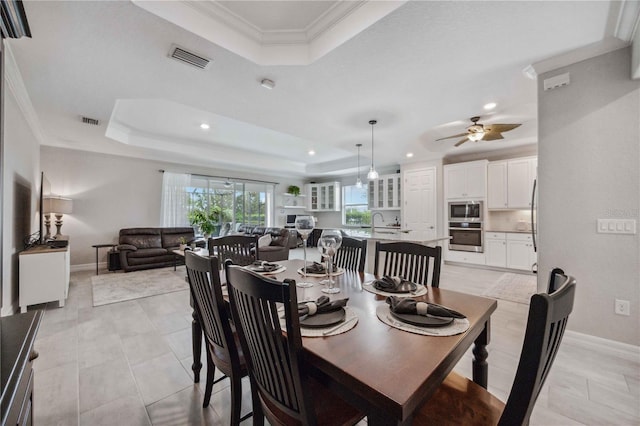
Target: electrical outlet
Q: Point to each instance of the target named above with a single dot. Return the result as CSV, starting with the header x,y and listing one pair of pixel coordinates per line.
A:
x,y
622,307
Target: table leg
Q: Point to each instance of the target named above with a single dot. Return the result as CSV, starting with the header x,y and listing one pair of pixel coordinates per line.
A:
x,y
196,342
480,354
96,260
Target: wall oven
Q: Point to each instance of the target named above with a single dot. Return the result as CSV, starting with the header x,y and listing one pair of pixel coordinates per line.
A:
x,y
465,211
466,236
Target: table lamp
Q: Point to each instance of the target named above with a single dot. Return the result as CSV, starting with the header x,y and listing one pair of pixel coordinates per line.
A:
x,y
60,206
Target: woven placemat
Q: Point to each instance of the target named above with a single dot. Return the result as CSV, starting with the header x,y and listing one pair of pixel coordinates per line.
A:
x,y
421,291
456,327
350,321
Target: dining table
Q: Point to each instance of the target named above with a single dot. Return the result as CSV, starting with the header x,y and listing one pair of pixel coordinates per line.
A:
x,y
385,371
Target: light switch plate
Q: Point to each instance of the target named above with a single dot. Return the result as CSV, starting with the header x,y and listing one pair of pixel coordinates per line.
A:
x,y
616,226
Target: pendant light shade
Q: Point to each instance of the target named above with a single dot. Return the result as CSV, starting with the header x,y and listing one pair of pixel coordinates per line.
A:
x,y
358,181
372,171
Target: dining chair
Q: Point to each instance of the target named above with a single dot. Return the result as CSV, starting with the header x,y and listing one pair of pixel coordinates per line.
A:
x,y
409,260
351,254
286,393
556,278
460,401
223,350
241,249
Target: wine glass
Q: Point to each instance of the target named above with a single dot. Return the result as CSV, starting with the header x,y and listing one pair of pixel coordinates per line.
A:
x,y
330,240
304,226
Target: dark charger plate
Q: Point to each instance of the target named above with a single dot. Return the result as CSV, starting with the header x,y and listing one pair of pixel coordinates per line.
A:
x,y
405,287
421,320
323,320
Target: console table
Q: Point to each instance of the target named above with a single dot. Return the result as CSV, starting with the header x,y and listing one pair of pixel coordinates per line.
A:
x,y
44,275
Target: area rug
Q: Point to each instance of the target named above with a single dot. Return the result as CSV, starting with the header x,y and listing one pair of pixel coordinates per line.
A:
x,y
513,287
118,287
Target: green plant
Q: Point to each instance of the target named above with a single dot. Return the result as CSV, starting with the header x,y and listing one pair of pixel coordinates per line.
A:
x,y
205,217
293,190
182,240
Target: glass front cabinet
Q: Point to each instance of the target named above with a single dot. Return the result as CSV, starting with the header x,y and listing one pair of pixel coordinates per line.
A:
x,y
384,193
323,197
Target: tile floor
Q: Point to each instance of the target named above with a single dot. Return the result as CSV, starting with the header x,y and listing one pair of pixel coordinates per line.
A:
x,y
129,363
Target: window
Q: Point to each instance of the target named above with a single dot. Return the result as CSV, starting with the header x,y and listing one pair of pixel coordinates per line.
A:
x,y
230,204
355,203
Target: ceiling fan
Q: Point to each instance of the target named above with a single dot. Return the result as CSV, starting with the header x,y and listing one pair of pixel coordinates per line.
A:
x,y
478,131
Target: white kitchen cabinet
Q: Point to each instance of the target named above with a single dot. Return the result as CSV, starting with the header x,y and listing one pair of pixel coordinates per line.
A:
x,y
520,176
520,253
466,180
495,249
323,197
510,182
385,193
465,257
44,276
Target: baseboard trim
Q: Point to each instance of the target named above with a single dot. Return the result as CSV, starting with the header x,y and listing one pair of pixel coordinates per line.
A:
x,y
489,268
88,267
620,349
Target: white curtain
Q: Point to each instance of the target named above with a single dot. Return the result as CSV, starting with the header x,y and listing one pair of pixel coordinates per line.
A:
x,y
175,199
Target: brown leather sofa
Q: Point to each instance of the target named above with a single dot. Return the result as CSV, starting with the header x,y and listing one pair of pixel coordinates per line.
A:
x,y
146,248
278,249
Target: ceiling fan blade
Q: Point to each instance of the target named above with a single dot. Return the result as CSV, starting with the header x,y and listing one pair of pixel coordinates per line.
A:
x,y
492,136
500,128
461,142
454,136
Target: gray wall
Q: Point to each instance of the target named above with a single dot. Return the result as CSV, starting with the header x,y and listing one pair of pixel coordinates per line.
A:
x,y
112,192
20,192
589,168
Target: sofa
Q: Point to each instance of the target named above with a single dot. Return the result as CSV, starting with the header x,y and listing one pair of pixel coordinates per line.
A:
x,y
278,247
146,248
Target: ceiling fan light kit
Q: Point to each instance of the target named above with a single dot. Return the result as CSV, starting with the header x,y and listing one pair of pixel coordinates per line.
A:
x,y
478,131
372,171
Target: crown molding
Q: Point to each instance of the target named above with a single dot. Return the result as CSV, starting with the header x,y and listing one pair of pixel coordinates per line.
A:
x,y
16,86
214,22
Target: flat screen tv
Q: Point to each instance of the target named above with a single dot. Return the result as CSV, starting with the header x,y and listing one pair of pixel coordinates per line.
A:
x,y
44,208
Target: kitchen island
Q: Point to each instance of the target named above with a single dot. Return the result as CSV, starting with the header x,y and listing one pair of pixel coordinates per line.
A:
x,y
391,235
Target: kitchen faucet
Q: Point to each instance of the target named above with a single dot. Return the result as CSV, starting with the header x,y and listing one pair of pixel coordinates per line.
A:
x,y
373,219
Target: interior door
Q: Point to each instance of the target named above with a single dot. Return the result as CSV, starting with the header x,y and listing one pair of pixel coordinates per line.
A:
x,y
419,209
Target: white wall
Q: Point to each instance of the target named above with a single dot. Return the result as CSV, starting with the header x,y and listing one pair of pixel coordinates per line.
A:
x,y
20,193
589,168
112,192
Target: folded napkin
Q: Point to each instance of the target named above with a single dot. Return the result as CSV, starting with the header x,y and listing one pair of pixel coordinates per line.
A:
x,y
316,268
264,266
320,306
388,283
411,306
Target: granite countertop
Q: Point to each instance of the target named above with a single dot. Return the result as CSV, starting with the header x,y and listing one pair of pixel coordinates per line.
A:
x,y
393,235
509,231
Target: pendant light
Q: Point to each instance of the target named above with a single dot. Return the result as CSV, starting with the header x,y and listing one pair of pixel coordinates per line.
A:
x,y
372,171
358,181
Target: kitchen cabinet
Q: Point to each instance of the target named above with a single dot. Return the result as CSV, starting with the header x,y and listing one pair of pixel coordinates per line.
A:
x,y
466,180
44,276
495,248
323,197
510,182
520,253
465,257
385,193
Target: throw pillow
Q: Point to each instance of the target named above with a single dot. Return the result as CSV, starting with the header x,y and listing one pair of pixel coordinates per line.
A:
x,y
264,241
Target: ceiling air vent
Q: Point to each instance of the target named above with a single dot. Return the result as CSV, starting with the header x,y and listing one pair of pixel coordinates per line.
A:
x,y
92,121
189,57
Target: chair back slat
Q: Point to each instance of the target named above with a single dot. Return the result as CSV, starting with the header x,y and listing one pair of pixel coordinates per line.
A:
x,y
409,260
351,254
274,361
240,249
548,316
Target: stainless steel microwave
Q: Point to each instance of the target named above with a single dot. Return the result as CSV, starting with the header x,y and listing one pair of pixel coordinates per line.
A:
x,y
465,211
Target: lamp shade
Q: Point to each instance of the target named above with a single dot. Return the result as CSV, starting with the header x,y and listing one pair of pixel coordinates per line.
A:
x,y
60,205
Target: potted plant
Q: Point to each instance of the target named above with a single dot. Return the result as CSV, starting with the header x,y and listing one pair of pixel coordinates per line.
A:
x,y
183,243
205,218
293,190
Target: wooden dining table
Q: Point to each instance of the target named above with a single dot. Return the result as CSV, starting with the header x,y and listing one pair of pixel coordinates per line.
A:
x,y
384,371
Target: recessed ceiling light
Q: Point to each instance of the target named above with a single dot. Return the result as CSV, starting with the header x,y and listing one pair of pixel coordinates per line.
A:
x,y
267,84
490,105
204,126
409,154
312,152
